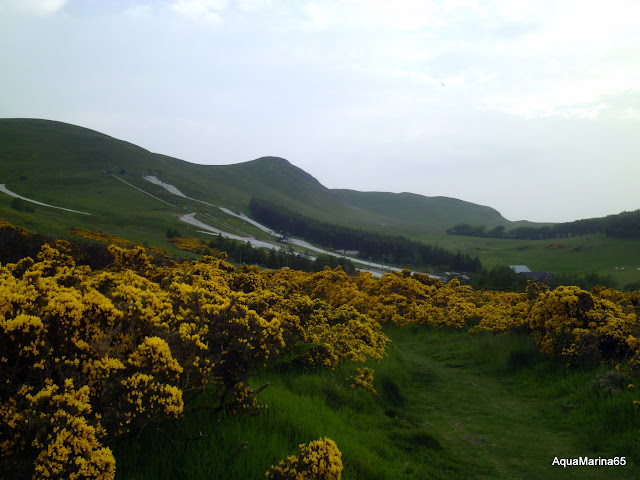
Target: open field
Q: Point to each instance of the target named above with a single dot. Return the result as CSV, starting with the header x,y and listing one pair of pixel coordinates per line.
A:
x,y
619,258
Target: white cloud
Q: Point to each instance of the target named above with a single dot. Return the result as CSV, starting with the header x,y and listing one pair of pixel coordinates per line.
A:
x,y
138,11
203,10
400,14
33,7
253,5
381,15
542,58
631,113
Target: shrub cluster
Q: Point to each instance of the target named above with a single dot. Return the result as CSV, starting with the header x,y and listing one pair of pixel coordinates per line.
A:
x,y
320,460
195,245
88,356
569,323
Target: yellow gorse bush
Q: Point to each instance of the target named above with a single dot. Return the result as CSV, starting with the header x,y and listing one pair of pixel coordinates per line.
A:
x,y
91,355
192,244
364,379
580,326
110,239
320,460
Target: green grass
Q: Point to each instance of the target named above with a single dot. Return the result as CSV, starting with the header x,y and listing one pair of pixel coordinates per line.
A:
x,y
617,257
450,406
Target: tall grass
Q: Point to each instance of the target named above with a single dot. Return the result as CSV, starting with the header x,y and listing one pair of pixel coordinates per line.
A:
x,y
450,405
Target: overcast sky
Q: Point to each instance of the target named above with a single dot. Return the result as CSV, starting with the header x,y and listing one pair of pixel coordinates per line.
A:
x,y
530,107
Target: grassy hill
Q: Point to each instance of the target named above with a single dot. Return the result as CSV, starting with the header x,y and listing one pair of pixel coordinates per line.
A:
x,y
58,162
422,213
80,169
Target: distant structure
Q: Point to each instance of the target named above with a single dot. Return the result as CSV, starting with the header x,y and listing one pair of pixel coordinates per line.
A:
x,y
540,277
284,237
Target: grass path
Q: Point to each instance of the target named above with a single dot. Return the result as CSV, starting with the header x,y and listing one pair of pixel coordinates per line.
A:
x,y
450,406
490,424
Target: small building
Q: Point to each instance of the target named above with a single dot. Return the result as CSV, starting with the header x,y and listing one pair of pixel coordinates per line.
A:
x,y
520,268
540,277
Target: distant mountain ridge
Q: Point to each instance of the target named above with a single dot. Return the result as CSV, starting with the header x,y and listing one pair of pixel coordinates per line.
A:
x,y
51,157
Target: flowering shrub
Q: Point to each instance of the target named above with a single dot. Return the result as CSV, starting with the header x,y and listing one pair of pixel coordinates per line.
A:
x,y
634,344
571,323
91,355
321,460
111,239
59,434
503,312
102,237
192,244
364,379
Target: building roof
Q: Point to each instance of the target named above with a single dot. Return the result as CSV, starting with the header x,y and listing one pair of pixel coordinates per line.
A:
x,y
520,268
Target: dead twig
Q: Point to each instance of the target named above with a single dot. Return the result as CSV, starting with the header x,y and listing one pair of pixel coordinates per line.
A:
x,y
242,448
259,389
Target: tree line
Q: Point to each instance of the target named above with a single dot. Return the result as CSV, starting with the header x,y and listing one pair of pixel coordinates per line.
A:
x,y
622,225
370,245
503,278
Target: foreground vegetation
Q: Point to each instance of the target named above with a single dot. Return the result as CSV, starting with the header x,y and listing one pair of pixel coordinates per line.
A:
x,y
143,359
449,405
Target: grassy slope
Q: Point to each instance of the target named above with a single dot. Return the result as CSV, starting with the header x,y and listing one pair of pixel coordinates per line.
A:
x,y
450,406
52,155
64,165
420,212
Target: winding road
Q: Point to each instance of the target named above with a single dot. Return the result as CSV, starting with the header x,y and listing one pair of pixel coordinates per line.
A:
x,y
190,219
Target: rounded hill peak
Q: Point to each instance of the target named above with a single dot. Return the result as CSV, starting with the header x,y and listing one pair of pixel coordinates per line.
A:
x,y
278,170
273,160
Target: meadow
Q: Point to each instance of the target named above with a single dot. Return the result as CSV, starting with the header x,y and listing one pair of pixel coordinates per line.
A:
x,y
615,257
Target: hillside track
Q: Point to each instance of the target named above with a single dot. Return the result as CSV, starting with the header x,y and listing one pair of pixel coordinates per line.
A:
x,y
489,423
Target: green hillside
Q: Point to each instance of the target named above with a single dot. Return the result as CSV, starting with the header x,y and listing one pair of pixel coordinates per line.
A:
x,y
420,212
52,160
80,169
